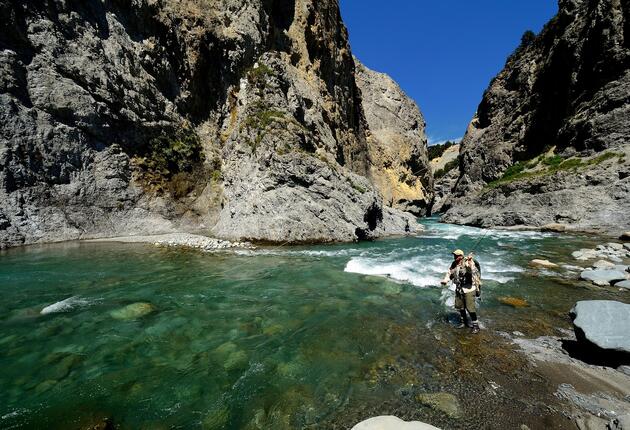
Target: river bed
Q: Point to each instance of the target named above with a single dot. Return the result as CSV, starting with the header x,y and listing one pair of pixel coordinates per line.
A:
x,y
281,337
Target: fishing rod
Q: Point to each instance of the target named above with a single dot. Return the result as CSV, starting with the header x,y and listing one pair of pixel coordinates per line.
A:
x,y
479,241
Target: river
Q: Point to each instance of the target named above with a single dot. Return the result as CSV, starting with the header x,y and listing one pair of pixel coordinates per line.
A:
x,y
280,337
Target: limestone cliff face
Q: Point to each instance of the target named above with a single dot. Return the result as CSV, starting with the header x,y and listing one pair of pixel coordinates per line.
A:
x,y
397,144
446,174
549,141
240,118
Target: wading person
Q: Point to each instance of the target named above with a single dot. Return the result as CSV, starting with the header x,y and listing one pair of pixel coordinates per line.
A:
x,y
466,275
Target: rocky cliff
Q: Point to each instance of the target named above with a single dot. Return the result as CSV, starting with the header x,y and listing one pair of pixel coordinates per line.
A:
x,y
238,118
445,174
397,144
550,140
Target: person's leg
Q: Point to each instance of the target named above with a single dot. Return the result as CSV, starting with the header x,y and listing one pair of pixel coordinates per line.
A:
x,y
461,307
472,310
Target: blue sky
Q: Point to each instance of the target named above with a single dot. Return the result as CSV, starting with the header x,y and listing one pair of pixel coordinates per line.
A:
x,y
443,53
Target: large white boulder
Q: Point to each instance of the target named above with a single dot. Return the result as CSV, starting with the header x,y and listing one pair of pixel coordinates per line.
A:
x,y
390,422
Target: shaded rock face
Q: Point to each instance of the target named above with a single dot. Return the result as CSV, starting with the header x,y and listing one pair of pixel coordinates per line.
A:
x,y
567,90
240,118
397,144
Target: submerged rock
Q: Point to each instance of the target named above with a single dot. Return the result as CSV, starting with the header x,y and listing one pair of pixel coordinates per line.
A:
x,y
390,422
45,386
602,323
603,277
133,311
514,302
443,402
236,360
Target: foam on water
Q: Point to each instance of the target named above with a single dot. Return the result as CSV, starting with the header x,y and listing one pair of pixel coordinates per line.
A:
x,y
425,269
456,232
65,305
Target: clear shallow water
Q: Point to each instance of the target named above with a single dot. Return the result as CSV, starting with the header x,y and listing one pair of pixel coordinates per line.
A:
x,y
299,337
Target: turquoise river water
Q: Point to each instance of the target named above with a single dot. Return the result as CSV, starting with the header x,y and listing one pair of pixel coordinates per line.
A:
x,y
278,338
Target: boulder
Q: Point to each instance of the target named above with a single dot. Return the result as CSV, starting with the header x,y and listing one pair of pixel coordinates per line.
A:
x,y
603,264
625,236
603,324
390,422
603,277
585,254
614,245
623,284
622,422
627,246
443,402
543,263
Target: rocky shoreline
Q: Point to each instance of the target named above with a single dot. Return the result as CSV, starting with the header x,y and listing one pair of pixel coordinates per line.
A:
x,y
179,240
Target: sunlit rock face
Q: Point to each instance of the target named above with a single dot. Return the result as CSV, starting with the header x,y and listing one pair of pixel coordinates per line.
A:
x,y
563,93
238,118
397,143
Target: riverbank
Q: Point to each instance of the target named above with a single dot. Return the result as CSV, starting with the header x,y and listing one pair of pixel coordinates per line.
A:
x,y
184,240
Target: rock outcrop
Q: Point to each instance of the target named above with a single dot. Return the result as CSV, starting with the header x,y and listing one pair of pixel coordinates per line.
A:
x,y
604,325
238,118
445,175
397,144
550,140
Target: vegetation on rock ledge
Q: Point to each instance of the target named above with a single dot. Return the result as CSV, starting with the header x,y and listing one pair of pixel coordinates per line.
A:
x,y
169,161
551,164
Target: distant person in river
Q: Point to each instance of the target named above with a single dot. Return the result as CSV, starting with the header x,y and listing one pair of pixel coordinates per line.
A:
x,y
465,272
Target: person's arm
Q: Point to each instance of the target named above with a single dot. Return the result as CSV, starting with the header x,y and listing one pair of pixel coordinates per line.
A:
x,y
447,278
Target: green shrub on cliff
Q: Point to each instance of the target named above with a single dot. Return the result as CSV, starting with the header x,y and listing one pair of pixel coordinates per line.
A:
x,y
447,168
553,161
259,72
172,163
435,151
553,164
168,155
